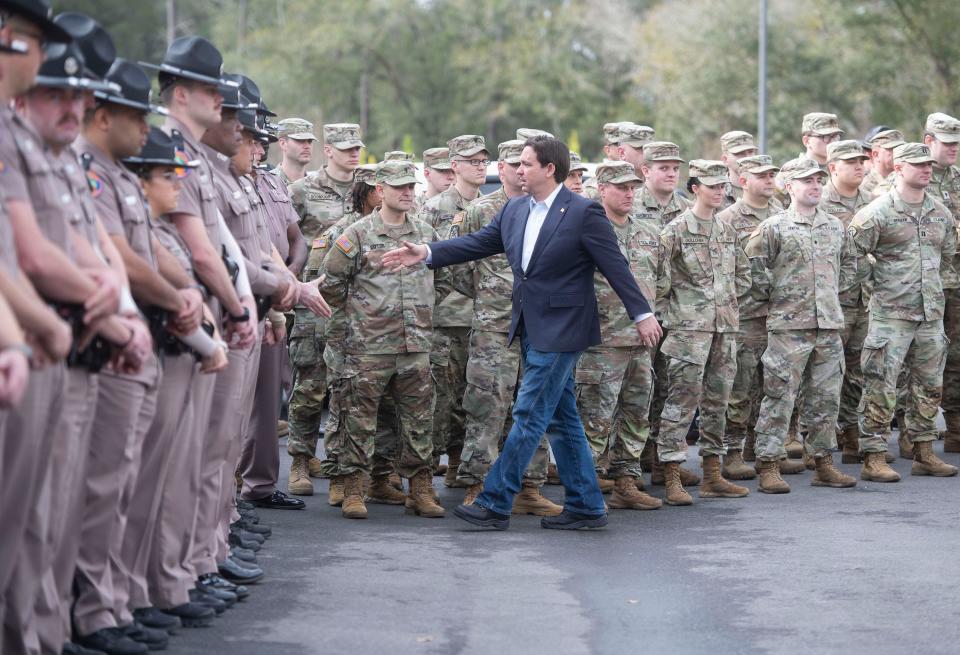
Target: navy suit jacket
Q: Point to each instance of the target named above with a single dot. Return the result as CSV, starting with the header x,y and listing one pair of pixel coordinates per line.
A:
x,y
554,298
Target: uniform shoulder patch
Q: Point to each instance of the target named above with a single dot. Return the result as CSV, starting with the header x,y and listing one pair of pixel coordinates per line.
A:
x,y
320,243
95,183
346,245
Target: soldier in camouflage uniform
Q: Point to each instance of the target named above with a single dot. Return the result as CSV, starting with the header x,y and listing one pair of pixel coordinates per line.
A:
x,y
798,264
437,173
734,146
468,159
630,141
296,144
842,198
493,368
387,341
912,237
397,155
878,181
942,136
611,138
321,199
819,130
702,272
614,380
745,215
574,181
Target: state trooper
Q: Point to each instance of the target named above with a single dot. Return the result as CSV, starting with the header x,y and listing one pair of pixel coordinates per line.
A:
x,y
799,264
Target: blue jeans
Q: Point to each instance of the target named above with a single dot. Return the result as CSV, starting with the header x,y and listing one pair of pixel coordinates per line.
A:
x,y
545,403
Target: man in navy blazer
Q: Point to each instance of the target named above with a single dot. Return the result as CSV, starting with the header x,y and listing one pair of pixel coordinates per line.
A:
x,y
554,240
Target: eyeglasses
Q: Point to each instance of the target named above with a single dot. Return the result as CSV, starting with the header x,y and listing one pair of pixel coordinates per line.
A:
x,y
474,162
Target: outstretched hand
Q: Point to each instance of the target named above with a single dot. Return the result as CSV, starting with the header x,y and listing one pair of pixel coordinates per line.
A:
x,y
400,258
650,332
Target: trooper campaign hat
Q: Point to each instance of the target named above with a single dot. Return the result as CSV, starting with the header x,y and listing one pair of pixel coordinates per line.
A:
x,y
135,89
96,46
39,13
64,69
192,58
250,90
160,150
233,98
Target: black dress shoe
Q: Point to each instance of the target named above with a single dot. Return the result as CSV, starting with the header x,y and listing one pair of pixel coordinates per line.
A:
x,y
247,536
253,527
231,570
245,505
567,520
236,541
482,516
249,516
150,637
217,605
243,555
279,500
112,641
71,648
210,589
222,583
193,615
154,618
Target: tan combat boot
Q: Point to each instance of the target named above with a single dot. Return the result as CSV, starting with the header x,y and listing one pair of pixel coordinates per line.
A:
x,y
714,485
793,445
283,429
531,501
876,469
951,436
734,467
299,483
849,440
808,462
676,494
791,467
552,476
384,493
770,480
627,496
396,481
421,497
335,495
315,468
658,476
453,465
749,446
648,455
473,491
905,443
827,474
606,485
353,507
925,462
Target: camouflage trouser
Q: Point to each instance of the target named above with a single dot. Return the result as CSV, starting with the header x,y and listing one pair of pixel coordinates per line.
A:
x,y
614,386
700,371
492,374
305,408
387,438
807,361
951,372
856,320
919,347
451,378
659,395
365,381
747,390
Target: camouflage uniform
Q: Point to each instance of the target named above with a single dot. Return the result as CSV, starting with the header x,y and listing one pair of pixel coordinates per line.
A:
x,y
796,266
735,143
436,159
610,138
298,129
746,392
454,315
388,326
320,202
875,185
914,251
702,272
614,381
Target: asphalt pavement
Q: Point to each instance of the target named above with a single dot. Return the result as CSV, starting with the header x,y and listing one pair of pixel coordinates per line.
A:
x,y
872,569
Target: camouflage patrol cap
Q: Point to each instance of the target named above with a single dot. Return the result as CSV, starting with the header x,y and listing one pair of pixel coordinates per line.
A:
x,y
945,128
396,173
736,142
661,151
912,153
616,172
342,136
576,164
821,124
799,168
525,133
634,135
296,128
611,132
397,155
848,149
887,139
466,145
509,151
708,171
757,164
366,173
438,158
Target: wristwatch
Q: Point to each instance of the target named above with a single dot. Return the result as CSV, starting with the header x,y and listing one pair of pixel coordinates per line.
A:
x,y
242,318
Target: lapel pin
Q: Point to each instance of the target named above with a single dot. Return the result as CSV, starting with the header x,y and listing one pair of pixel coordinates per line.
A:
x,y
563,209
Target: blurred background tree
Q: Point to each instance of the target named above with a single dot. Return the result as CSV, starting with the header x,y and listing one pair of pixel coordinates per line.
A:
x,y
414,73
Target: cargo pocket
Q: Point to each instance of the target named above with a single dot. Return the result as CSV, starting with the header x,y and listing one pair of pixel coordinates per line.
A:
x,y
874,355
776,376
303,346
